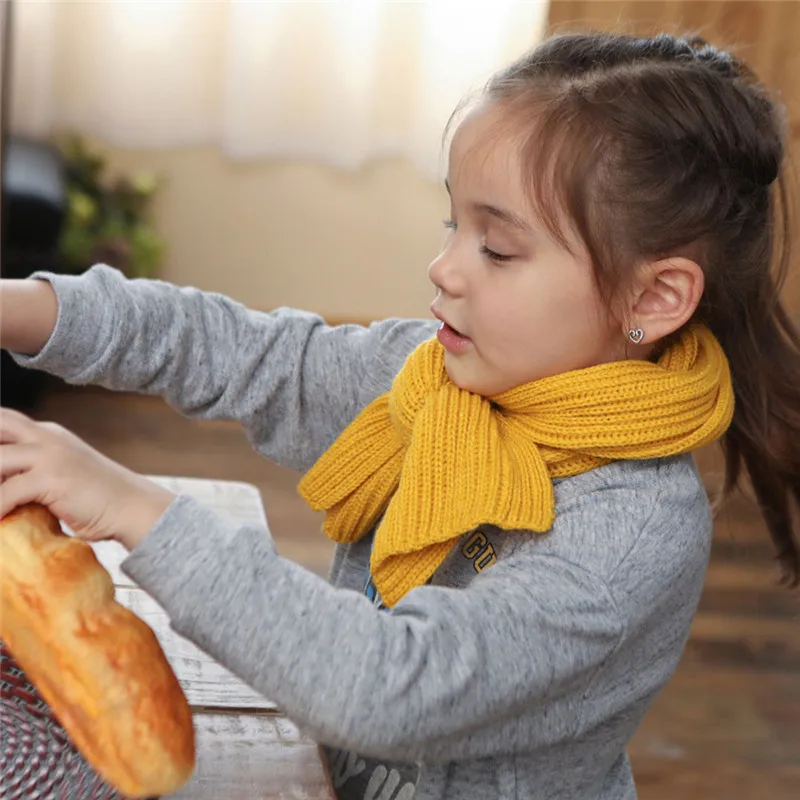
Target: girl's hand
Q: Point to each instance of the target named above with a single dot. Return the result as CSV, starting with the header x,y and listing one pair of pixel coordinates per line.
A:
x,y
41,462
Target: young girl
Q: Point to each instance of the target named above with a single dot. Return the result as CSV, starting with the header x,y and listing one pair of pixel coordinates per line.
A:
x,y
522,531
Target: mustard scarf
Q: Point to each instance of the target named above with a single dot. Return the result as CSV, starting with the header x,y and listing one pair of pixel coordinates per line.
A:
x,y
440,461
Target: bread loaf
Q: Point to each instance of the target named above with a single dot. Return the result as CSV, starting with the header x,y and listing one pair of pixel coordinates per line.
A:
x,y
97,665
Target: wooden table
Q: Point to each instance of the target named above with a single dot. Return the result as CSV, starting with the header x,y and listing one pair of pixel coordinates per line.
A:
x,y
246,748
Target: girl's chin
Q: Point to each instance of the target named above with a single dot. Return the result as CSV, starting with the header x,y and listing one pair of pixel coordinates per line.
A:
x,y
473,375
462,374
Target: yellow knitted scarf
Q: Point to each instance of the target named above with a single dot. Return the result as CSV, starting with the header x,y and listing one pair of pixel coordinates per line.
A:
x,y
439,461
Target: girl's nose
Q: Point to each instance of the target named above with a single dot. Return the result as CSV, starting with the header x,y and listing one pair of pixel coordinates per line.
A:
x,y
445,273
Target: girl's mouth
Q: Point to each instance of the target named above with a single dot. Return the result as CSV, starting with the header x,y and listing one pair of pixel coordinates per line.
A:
x,y
451,339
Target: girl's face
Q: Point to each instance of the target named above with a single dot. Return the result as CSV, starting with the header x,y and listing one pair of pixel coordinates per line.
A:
x,y
517,305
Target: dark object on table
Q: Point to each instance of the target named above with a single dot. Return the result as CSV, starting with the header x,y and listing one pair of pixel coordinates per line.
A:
x,y
34,209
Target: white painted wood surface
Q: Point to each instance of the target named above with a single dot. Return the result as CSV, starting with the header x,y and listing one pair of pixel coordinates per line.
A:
x,y
205,682
245,748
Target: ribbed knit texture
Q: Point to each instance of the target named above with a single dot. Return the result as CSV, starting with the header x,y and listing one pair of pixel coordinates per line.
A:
x,y
439,461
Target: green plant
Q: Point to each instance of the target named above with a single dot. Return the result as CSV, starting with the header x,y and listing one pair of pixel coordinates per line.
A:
x,y
108,220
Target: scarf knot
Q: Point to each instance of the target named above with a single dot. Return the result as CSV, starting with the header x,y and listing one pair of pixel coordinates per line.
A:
x,y
416,387
435,461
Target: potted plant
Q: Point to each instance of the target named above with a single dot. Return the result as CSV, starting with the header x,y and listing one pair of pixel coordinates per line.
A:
x,y
107,221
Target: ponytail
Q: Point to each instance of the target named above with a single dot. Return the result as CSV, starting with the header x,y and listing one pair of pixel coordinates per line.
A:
x,y
763,348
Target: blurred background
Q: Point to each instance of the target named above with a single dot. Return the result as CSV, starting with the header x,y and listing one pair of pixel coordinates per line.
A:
x,y
290,153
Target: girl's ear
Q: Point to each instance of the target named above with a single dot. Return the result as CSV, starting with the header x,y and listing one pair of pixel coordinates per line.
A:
x,y
665,296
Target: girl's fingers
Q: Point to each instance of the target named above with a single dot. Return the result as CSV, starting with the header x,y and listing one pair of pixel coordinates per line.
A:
x,y
15,427
17,491
16,458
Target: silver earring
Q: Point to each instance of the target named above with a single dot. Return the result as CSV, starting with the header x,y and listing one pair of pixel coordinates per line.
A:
x,y
636,335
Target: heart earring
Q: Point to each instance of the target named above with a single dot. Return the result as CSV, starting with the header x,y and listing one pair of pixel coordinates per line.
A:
x,y
636,335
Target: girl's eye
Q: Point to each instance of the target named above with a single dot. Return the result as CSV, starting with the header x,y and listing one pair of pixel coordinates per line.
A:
x,y
492,256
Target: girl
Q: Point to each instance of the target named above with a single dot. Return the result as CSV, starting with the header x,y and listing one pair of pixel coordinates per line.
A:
x,y
523,533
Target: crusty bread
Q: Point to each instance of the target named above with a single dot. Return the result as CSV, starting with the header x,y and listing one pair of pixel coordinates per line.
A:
x,y
97,665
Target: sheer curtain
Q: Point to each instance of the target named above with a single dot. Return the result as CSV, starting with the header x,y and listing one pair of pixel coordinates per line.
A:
x,y
337,82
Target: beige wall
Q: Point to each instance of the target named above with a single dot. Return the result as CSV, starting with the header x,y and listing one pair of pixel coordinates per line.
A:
x,y
347,245
357,245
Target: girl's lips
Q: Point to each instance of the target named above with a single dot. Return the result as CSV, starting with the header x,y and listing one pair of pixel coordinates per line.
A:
x,y
452,340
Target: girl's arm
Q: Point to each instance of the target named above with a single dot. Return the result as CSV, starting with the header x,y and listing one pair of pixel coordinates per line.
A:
x,y
427,681
291,380
28,311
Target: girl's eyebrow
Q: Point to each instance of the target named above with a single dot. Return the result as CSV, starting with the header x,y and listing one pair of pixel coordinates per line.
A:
x,y
509,217
506,216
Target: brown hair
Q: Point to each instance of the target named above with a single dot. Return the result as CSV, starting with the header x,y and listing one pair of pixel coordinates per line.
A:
x,y
662,146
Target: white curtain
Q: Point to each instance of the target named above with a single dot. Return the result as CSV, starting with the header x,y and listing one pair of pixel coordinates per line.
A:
x,y
338,82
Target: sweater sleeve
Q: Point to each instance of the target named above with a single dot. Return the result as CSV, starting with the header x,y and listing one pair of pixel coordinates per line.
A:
x,y
411,684
292,381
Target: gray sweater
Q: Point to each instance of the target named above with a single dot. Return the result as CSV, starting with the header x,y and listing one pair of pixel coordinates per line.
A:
x,y
520,671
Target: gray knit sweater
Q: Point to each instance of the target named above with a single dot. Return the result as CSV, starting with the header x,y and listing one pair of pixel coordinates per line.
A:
x,y
520,671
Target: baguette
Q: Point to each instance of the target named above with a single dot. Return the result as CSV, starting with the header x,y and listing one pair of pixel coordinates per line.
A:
x,y
98,666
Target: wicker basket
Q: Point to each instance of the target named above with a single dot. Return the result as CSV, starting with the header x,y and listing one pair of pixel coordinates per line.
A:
x,y
38,760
